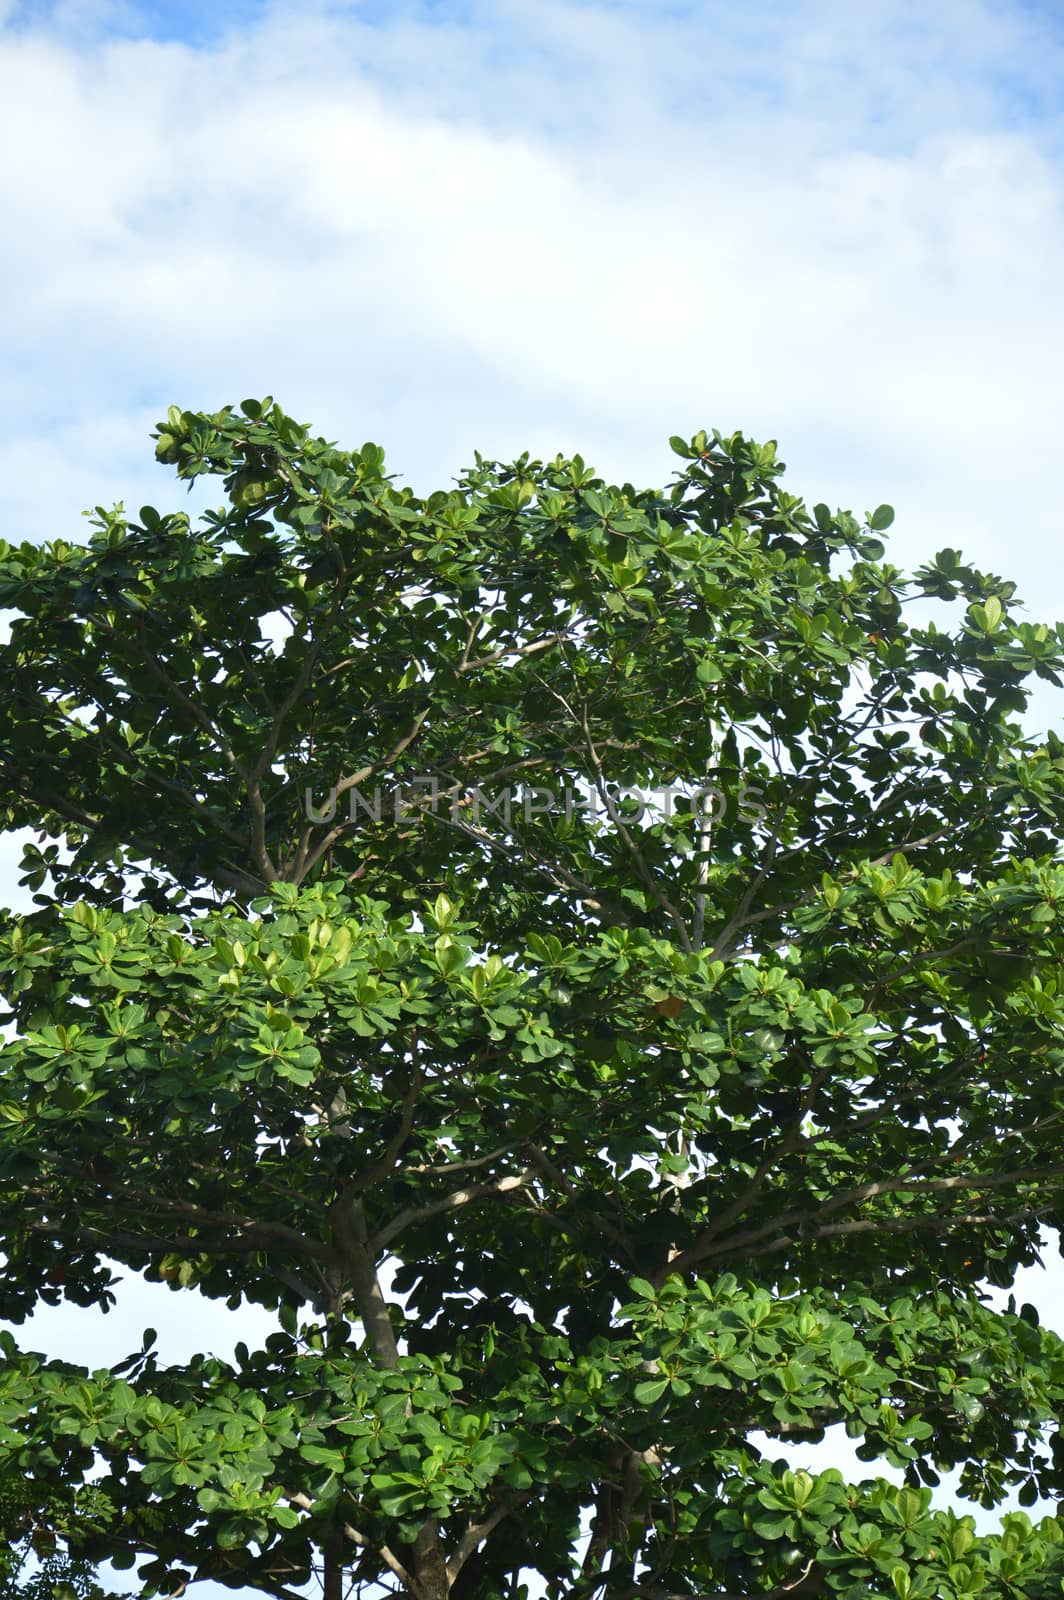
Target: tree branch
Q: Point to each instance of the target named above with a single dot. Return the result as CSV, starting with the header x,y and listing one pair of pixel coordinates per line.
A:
x,y
251,1241
380,1169
359,1256
352,1535
634,852
411,1215
306,859
522,650
789,1144
595,1218
477,1532
703,1248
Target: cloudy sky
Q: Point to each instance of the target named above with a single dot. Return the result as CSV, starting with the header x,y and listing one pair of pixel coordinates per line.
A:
x,y
550,225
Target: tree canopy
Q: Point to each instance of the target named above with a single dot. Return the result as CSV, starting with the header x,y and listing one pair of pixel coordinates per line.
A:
x,y
589,959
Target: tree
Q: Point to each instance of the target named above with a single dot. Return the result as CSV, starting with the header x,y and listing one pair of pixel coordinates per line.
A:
x,y
575,1136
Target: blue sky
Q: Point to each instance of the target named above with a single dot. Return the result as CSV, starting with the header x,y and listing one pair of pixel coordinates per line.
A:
x,y
200,24
547,225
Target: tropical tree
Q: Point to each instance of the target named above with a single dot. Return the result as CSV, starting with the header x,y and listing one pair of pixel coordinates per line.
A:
x,y
588,959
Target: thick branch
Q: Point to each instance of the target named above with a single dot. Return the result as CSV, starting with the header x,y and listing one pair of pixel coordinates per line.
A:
x,y
352,1535
519,651
410,1215
243,1233
792,1138
942,1223
113,1239
359,1256
477,1532
704,1247
306,859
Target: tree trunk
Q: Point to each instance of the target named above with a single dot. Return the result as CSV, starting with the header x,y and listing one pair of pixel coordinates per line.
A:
x,y
430,1564
333,1579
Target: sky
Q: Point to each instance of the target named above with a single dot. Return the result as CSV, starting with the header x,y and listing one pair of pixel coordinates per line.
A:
x,y
543,225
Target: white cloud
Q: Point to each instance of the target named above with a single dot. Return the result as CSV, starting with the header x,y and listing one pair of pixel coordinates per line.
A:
x,y
395,229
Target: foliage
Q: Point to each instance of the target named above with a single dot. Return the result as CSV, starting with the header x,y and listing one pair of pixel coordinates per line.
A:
x,y
574,1144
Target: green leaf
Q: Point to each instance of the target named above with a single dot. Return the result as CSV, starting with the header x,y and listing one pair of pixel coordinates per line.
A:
x,y
320,1456
646,1394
